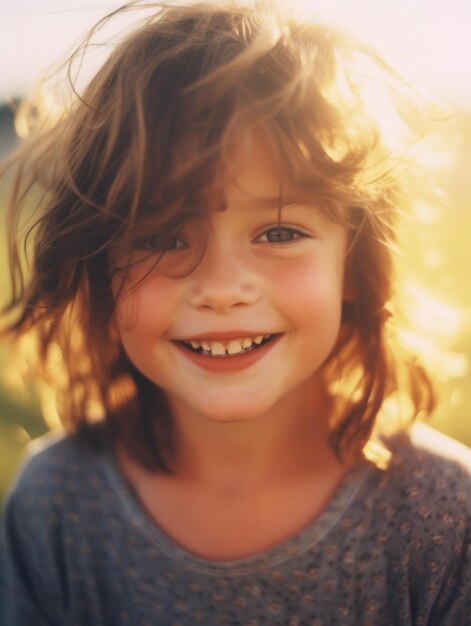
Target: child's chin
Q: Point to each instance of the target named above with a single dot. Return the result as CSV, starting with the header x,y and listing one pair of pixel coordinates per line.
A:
x,y
231,418
232,414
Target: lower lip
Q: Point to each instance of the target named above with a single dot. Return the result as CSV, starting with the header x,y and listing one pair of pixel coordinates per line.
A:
x,y
228,363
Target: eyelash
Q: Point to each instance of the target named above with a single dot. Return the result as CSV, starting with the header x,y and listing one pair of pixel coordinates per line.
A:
x,y
294,233
162,244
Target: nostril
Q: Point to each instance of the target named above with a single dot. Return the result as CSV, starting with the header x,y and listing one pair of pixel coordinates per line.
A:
x,y
222,294
221,303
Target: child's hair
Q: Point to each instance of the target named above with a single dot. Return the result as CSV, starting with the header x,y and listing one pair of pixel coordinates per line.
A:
x,y
152,135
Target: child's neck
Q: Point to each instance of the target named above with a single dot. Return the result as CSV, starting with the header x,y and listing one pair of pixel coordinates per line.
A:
x,y
239,489
290,440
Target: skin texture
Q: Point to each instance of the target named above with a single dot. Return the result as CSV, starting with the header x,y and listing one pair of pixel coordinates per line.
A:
x,y
251,439
243,283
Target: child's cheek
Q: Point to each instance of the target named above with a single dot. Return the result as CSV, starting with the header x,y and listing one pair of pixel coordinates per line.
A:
x,y
311,295
309,278
127,303
141,307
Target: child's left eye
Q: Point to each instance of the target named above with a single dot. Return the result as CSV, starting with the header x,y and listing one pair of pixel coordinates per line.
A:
x,y
161,244
281,235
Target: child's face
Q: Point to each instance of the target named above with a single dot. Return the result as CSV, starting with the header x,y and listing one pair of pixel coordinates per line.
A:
x,y
248,285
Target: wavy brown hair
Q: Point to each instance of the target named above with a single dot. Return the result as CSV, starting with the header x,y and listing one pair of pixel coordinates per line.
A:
x,y
148,136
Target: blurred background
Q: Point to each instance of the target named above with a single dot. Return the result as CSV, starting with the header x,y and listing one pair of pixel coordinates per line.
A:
x,y
428,42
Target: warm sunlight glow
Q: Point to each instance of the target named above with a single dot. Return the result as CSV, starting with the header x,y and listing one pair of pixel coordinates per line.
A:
x,y
426,40
433,316
49,408
431,328
428,43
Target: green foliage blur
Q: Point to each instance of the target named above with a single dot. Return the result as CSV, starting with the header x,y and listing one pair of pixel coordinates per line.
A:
x,y
439,259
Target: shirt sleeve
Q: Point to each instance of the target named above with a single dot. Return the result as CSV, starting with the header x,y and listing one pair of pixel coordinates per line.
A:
x,y
28,585
430,492
453,604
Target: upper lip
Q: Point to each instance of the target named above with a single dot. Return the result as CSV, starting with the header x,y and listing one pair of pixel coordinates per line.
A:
x,y
226,336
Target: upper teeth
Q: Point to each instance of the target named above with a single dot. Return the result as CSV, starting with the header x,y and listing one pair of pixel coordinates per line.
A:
x,y
234,346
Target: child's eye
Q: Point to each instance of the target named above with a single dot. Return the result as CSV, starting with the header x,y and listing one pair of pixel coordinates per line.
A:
x,y
160,244
281,235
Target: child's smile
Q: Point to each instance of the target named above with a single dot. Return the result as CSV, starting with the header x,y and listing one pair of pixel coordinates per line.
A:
x,y
254,321
229,351
226,345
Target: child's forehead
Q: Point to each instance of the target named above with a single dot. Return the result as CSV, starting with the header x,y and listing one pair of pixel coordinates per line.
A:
x,y
250,177
250,166
252,171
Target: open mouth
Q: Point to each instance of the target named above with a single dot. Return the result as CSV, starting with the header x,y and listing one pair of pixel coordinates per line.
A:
x,y
222,349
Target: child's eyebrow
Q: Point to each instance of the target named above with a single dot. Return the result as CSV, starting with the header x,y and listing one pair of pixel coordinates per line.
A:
x,y
276,202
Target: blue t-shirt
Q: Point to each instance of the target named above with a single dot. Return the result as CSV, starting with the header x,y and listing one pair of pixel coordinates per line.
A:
x,y
392,548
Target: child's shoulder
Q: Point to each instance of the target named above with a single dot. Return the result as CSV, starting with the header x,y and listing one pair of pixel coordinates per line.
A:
x,y
423,448
57,451
55,466
429,473
59,494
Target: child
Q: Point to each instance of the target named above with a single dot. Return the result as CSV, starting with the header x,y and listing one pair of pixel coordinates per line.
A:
x,y
209,295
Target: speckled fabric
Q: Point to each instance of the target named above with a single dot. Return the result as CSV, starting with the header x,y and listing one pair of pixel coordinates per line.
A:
x,y
391,548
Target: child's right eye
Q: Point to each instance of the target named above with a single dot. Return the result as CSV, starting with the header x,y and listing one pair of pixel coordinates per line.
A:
x,y
160,244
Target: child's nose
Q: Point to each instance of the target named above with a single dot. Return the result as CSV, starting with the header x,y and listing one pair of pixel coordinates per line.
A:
x,y
221,282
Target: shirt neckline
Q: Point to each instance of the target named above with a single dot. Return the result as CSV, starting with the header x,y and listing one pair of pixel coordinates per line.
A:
x,y
289,549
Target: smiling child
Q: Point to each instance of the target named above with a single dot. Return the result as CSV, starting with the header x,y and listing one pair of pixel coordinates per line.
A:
x,y
210,298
